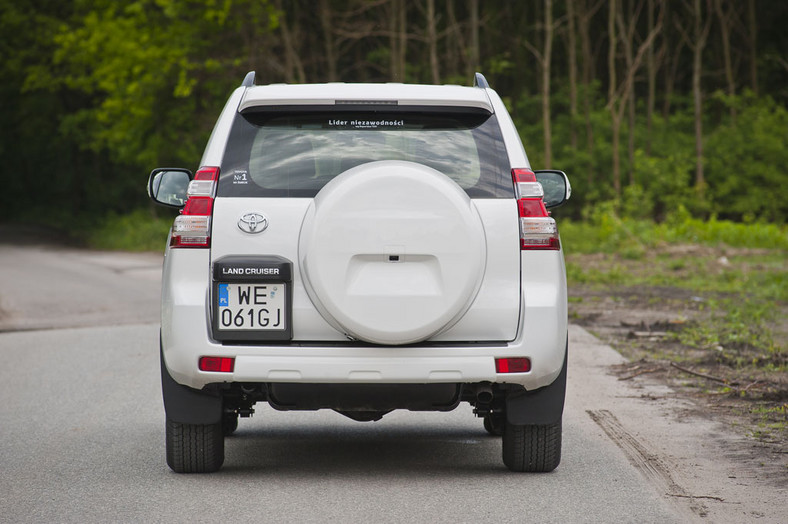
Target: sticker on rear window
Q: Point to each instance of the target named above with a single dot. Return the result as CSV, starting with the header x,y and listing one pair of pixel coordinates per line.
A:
x,y
365,124
240,177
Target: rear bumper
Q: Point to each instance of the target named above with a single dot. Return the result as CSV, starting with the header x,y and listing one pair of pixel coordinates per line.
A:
x,y
186,338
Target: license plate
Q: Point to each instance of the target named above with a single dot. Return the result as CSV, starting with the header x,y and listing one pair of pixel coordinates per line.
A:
x,y
255,306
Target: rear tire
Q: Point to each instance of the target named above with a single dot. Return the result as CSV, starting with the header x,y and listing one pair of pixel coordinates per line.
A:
x,y
194,448
532,448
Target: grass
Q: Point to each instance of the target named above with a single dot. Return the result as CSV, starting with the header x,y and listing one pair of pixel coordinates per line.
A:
x,y
736,272
138,231
724,287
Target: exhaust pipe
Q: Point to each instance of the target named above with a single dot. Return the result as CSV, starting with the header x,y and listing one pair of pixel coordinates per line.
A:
x,y
484,394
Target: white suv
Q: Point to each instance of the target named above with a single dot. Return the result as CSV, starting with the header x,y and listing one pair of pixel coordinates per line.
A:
x,y
363,248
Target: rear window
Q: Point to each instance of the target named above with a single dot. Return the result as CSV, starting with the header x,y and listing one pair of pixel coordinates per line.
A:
x,y
296,153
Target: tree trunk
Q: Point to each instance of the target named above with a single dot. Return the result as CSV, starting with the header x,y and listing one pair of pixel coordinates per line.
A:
x,y
672,71
725,31
651,73
432,42
615,120
583,25
752,24
572,45
455,45
628,31
393,47
622,97
294,69
402,15
398,39
627,38
546,62
700,33
473,52
326,22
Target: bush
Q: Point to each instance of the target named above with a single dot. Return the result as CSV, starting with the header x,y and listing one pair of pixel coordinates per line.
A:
x,y
747,162
605,231
141,230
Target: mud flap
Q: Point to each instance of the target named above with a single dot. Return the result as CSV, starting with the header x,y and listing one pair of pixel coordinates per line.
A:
x,y
539,407
186,405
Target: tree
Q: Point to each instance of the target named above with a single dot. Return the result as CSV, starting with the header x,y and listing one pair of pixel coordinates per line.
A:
x,y
700,33
726,18
584,16
104,90
326,23
544,58
619,95
651,69
432,42
572,66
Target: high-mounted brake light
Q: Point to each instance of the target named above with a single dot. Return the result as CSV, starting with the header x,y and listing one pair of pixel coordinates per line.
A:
x,y
537,228
193,227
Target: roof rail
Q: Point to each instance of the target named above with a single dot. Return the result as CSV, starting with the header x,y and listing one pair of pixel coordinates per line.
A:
x,y
480,81
248,79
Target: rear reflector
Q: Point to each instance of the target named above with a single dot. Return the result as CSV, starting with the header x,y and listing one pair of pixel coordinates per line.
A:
x,y
513,365
193,227
217,364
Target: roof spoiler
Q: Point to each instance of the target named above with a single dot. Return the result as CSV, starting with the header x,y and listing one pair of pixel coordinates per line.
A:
x,y
249,79
478,80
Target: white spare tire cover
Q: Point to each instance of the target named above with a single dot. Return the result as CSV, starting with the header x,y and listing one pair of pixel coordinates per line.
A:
x,y
392,252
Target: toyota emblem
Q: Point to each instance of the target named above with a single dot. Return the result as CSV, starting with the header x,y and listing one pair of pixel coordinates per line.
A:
x,y
252,223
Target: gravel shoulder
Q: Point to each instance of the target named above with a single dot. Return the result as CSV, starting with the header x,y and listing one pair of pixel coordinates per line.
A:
x,y
743,410
702,465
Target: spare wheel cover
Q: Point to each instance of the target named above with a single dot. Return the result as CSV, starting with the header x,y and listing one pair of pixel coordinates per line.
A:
x,y
392,252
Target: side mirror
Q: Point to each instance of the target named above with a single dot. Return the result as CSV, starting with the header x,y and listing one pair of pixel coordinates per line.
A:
x,y
167,186
556,187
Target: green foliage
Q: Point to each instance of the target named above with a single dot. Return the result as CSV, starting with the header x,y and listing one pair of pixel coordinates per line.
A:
x,y
107,90
140,64
735,272
137,231
683,227
605,231
101,91
748,161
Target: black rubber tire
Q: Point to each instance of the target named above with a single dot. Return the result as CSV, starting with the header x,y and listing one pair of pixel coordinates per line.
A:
x,y
194,448
229,423
531,448
494,424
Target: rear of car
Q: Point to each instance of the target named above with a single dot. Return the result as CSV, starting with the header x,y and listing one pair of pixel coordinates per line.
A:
x,y
363,248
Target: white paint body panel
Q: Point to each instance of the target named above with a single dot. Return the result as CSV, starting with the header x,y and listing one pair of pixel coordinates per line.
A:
x,y
518,309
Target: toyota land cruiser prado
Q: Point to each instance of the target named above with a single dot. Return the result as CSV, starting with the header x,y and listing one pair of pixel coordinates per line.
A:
x,y
363,248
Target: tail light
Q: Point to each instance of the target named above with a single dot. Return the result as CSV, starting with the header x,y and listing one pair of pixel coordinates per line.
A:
x,y
193,227
537,228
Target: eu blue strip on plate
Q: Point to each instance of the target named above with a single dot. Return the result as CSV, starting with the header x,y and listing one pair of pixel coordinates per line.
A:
x,y
224,295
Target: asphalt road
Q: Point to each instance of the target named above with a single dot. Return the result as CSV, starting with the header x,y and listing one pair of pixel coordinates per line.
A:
x,y
82,432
